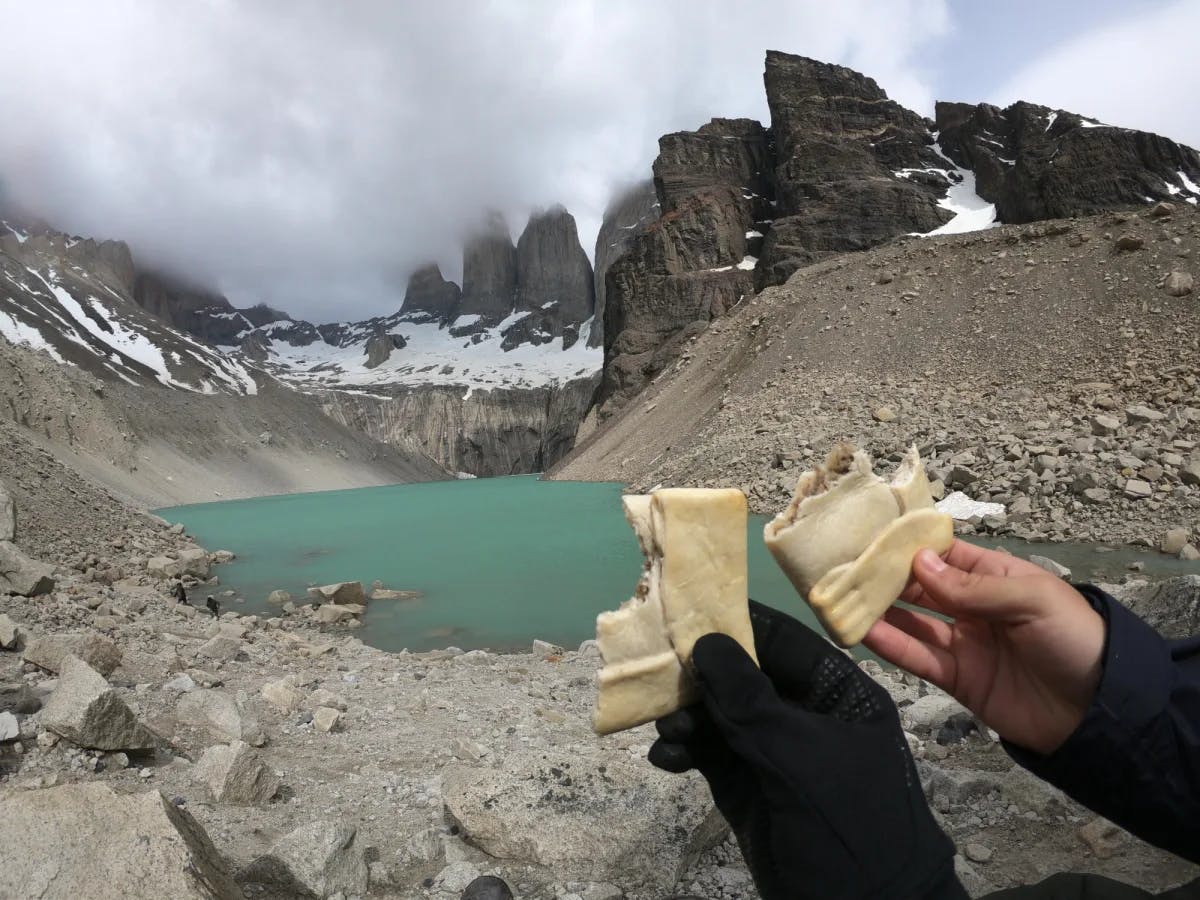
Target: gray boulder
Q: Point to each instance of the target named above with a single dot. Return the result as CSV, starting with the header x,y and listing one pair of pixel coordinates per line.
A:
x,y
343,593
315,860
585,830
217,714
85,710
21,575
236,774
85,840
97,651
1179,284
1172,607
10,728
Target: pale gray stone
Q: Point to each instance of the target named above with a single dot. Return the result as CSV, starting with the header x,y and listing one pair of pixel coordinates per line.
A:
x,y
96,651
1179,284
236,774
216,713
10,729
1137,489
315,860
1174,540
85,840
21,575
1054,568
587,838
85,710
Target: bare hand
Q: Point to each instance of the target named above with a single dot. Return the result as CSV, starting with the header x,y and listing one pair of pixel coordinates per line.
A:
x,y
1023,650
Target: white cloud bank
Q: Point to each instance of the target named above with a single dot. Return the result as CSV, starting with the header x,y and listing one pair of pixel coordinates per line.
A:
x,y
1142,72
309,154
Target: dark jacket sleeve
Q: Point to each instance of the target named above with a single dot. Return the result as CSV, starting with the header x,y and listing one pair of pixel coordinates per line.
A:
x,y
1135,758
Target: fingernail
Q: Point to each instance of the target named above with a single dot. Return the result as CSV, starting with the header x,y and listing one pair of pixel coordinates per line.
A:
x,y
931,560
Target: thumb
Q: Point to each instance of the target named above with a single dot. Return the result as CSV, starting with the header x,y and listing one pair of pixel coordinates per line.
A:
x,y
961,593
735,691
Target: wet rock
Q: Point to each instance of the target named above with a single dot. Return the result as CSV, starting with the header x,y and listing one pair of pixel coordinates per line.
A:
x,y
546,650
316,860
97,651
216,713
1179,284
86,711
85,840
1189,553
236,774
1172,542
1054,568
342,594
21,575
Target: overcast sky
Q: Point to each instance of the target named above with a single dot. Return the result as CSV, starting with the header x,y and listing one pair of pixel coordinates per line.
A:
x,y
309,154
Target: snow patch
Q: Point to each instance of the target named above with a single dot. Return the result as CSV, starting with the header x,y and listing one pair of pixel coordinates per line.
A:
x,y
748,263
1188,183
971,212
1050,120
753,234
958,505
18,333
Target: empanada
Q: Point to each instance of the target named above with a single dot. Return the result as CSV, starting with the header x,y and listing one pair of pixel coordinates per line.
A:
x,y
847,539
694,582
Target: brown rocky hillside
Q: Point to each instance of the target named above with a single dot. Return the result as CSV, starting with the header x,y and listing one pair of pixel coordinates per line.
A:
x,y
1052,367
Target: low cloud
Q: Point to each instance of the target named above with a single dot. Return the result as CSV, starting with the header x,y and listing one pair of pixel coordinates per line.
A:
x,y
310,154
1141,73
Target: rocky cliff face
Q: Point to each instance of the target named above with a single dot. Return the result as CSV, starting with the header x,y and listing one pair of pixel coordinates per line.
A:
x,y
489,272
692,263
552,267
206,314
484,433
431,296
843,168
839,144
626,218
1037,163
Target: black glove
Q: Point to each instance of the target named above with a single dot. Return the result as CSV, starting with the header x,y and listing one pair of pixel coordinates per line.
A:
x,y
807,762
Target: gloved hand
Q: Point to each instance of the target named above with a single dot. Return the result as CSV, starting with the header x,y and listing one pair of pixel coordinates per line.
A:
x,y
806,760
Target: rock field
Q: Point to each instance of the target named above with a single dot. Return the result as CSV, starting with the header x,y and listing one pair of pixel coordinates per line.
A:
x,y
278,757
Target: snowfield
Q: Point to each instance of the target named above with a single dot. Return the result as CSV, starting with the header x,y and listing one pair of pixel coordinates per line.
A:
x,y
433,356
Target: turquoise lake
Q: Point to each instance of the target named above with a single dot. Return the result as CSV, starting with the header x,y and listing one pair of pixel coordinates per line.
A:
x,y
498,561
